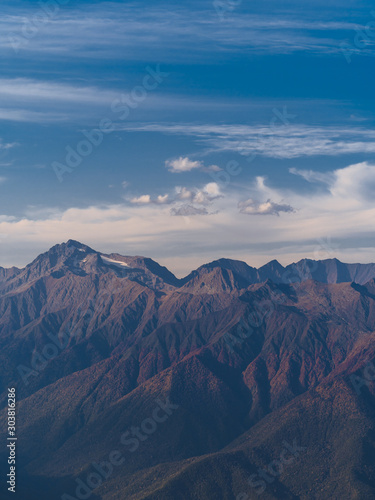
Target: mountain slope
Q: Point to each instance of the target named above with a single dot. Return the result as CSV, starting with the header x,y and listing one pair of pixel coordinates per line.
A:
x,y
239,360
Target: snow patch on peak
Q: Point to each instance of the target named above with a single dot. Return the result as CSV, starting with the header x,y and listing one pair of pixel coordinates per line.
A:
x,y
111,262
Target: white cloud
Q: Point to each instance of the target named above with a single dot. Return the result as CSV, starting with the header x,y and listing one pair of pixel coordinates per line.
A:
x,y
356,181
204,196
252,207
182,165
212,189
352,182
183,193
144,199
162,199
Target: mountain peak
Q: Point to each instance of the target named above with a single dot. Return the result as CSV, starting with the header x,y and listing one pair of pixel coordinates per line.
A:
x,y
74,243
274,263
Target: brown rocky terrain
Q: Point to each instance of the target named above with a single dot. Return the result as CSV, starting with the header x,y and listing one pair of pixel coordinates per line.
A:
x,y
197,386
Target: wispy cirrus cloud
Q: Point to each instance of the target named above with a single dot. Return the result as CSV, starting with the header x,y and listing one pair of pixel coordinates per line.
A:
x,y
313,175
38,101
108,29
7,145
31,90
284,141
29,116
41,101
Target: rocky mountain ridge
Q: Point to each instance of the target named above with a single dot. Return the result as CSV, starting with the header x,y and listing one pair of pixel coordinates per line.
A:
x,y
248,358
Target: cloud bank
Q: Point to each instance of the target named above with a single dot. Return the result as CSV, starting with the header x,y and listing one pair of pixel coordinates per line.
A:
x,y
341,211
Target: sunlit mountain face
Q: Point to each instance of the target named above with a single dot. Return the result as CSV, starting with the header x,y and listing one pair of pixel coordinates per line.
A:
x,y
232,381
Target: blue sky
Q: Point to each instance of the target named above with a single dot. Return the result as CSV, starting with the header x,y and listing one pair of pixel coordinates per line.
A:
x,y
232,128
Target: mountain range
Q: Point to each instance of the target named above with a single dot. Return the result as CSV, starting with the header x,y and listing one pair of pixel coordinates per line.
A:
x,y
231,383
